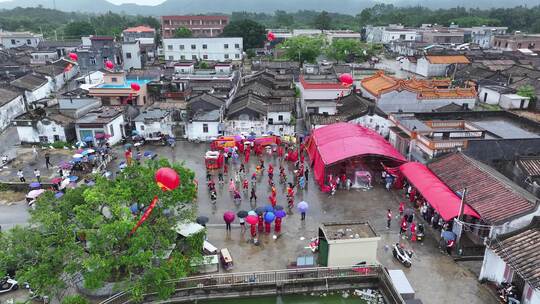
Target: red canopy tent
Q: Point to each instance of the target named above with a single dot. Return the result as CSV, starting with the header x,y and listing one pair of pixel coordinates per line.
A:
x,y
338,142
436,193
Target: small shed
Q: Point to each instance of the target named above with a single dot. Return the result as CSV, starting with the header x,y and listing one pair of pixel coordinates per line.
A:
x,y
347,244
402,285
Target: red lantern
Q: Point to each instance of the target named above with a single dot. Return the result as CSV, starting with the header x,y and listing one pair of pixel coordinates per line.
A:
x,y
109,64
346,79
73,56
135,86
167,179
270,36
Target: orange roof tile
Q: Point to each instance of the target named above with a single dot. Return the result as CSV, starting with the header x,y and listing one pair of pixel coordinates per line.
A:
x,y
448,59
139,29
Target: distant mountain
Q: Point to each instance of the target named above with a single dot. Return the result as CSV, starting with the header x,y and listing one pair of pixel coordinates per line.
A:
x,y
171,7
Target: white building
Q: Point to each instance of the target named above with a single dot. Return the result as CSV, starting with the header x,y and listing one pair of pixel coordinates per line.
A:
x,y
58,73
483,35
391,34
11,106
107,121
35,87
218,49
320,95
437,66
42,57
491,94
16,39
131,55
44,129
151,123
204,125
515,258
514,101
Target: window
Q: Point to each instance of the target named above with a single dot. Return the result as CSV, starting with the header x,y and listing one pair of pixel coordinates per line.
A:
x,y
171,57
270,121
128,55
111,130
226,46
54,129
181,46
28,41
204,46
92,60
205,128
13,41
114,79
193,47
169,47
56,137
43,139
194,57
226,56
46,56
182,57
142,128
236,56
237,45
36,56
205,56
280,117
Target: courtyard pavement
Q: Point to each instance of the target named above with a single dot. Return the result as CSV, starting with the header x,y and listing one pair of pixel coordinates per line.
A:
x,y
435,276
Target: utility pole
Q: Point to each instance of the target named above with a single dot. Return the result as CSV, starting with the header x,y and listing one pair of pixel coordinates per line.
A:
x,y
460,219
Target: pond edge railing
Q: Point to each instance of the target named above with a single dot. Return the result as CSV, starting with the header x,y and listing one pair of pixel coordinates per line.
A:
x,y
274,277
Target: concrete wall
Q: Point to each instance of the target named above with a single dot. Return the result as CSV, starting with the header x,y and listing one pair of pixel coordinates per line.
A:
x,y
488,96
352,252
32,134
10,111
43,57
510,101
195,130
9,42
117,128
181,48
134,50
389,35
376,123
406,101
153,127
330,94
427,69
39,93
492,267
286,117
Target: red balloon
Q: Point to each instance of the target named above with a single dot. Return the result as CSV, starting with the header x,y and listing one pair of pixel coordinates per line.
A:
x,y
135,86
109,64
346,79
167,179
73,56
270,36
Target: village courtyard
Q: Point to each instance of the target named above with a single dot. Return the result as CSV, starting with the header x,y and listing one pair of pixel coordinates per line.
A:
x,y
430,275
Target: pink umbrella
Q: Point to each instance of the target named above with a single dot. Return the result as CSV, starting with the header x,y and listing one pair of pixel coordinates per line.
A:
x,y
56,180
229,216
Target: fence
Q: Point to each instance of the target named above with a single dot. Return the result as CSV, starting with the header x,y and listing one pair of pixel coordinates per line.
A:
x,y
228,282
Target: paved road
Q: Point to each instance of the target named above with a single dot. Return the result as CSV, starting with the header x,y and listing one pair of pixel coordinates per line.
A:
x,y
16,214
10,141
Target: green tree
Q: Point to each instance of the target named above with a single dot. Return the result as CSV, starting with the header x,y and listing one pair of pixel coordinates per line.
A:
x,y
527,91
283,19
302,48
347,49
323,21
87,233
183,32
75,299
253,33
78,29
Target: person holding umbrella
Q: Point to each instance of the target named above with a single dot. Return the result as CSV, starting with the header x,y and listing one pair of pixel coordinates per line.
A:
x,y
202,220
303,207
279,213
242,214
228,217
268,219
252,220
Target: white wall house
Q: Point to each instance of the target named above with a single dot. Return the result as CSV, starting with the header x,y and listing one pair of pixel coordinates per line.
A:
x,y
220,49
389,35
149,123
42,130
320,97
42,57
204,125
514,101
492,94
35,87
131,55
16,39
374,122
106,120
11,106
437,66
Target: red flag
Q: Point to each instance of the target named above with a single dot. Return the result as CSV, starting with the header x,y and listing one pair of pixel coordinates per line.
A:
x,y
145,215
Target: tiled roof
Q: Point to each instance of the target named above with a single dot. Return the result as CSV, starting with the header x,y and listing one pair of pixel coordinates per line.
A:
x,y
308,85
140,29
489,193
521,251
380,83
249,101
321,119
452,59
29,82
7,95
210,99
281,107
531,166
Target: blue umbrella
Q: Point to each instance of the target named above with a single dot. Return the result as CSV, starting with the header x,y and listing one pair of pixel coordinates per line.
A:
x,y
59,194
303,206
268,208
88,139
134,208
91,157
269,217
35,185
77,160
148,153
127,145
252,213
449,235
73,178
280,213
90,183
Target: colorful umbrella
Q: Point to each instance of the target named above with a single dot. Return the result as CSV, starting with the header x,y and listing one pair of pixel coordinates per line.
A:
x,y
252,219
228,216
242,214
56,180
252,213
260,210
126,146
268,208
278,207
77,155
303,206
280,213
65,165
59,194
90,183
35,193
77,160
35,185
79,151
73,178
134,208
202,220
88,139
269,217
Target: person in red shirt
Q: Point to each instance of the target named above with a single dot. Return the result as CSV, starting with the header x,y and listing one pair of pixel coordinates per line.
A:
x,y
245,184
127,154
401,208
225,169
403,226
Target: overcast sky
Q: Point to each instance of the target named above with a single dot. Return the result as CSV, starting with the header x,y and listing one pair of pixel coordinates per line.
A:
x,y
146,2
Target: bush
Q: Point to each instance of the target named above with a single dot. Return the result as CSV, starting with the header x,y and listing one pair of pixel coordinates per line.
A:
x,y
57,144
75,299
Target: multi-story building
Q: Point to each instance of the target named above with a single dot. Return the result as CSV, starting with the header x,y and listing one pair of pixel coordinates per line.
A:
x,y
387,34
200,26
483,35
443,36
135,33
516,42
96,50
17,39
219,49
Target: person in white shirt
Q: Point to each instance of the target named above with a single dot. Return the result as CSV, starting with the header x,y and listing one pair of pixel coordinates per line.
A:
x,y
37,174
20,174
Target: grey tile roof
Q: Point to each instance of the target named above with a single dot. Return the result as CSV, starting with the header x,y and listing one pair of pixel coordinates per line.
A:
x,y
248,101
102,115
213,115
208,98
29,82
152,115
7,95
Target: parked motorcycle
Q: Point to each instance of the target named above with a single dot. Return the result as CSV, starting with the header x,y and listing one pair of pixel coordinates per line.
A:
x,y
507,293
403,255
7,284
420,233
